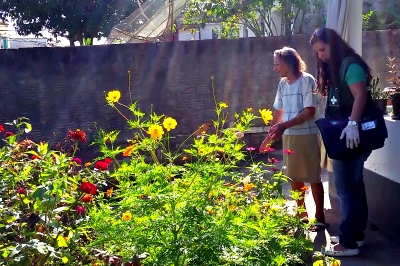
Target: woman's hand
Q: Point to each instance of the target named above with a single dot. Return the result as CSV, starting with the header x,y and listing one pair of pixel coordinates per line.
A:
x,y
266,142
276,131
352,136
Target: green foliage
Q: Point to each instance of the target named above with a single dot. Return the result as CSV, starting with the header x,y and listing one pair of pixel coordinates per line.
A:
x,y
259,16
146,204
376,91
76,20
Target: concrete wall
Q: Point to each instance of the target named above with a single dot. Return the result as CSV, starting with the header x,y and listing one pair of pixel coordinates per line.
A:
x,y
63,88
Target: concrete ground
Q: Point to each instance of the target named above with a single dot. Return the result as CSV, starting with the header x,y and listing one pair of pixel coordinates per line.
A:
x,y
379,249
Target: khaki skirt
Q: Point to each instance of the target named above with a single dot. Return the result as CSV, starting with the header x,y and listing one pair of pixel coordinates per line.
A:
x,y
304,165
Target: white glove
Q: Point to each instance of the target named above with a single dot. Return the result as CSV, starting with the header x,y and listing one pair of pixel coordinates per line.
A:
x,y
352,136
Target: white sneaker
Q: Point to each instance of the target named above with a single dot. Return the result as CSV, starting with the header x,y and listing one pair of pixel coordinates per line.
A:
x,y
329,251
335,240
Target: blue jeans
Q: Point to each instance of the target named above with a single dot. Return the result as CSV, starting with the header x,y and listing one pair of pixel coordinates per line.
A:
x,y
349,182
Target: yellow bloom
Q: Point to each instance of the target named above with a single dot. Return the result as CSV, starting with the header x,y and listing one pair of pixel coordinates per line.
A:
x,y
223,105
202,151
113,96
249,109
88,164
266,115
318,263
336,263
248,186
156,132
126,216
169,123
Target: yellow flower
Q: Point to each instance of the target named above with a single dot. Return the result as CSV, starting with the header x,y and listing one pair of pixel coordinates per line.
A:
x,y
169,123
336,263
248,186
126,216
156,132
202,151
113,96
318,263
223,105
266,115
88,164
249,109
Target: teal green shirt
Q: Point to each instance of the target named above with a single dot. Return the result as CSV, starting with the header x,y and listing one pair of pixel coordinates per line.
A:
x,y
355,73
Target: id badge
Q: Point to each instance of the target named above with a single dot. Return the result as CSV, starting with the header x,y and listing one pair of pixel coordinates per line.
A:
x,y
368,125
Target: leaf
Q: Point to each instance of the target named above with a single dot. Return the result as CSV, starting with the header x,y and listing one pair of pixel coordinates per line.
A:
x,y
28,128
60,209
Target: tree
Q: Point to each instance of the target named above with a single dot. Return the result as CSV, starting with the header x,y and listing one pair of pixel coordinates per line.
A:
x,y
77,20
256,15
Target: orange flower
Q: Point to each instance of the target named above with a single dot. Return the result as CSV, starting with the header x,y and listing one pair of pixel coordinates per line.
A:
x,y
249,186
128,150
184,158
305,188
109,192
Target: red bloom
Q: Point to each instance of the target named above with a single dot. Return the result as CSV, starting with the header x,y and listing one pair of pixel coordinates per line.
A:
x,y
268,149
89,188
288,152
8,134
273,169
21,190
34,157
77,135
80,209
1,128
273,160
87,198
100,165
108,160
77,161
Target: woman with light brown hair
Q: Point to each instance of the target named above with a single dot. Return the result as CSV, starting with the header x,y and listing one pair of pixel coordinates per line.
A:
x,y
294,122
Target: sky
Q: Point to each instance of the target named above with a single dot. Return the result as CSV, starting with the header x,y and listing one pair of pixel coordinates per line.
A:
x,y
46,34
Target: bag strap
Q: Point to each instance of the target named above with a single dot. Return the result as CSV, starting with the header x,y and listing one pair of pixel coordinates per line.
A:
x,y
343,71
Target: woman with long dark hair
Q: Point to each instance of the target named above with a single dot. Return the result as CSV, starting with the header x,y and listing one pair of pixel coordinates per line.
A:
x,y
346,97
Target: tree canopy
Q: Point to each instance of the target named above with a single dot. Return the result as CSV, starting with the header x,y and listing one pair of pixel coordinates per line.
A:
x,y
78,20
259,16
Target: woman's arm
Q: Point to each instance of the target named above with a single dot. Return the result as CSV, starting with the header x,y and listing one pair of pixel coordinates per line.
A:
x,y
359,92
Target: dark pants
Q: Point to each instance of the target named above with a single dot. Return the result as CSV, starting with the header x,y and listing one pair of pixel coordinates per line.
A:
x,y
349,182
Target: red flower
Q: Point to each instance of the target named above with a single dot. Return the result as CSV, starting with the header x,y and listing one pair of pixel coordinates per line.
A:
x,y
89,188
1,128
100,165
288,152
80,209
273,160
87,198
21,190
77,161
34,157
77,135
268,149
273,169
108,160
8,134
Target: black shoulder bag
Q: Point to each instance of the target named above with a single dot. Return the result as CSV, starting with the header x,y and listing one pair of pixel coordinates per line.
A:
x,y
372,127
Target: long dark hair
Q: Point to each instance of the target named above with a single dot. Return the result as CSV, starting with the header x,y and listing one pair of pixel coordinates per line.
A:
x,y
328,73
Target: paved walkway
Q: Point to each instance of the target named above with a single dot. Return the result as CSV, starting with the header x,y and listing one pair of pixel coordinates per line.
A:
x,y
379,249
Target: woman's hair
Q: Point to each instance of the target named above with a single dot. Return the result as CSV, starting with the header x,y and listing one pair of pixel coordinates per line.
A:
x,y
292,59
329,73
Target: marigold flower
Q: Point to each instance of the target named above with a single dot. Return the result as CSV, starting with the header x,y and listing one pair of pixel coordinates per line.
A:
x,y
1,128
266,115
156,132
202,151
113,96
248,186
89,188
8,134
87,198
223,105
126,216
109,192
249,109
100,165
80,210
305,188
169,123
21,190
88,164
184,158
288,152
128,150
76,160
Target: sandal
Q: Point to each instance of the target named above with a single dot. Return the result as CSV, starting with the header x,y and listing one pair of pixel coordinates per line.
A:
x,y
317,226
